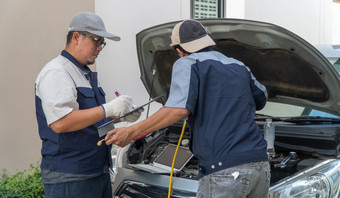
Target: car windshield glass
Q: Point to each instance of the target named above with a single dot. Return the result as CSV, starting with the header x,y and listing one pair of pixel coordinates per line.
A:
x,y
274,109
281,110
314,112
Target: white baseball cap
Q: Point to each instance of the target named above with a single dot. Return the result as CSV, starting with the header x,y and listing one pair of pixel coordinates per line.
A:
x,y
191,36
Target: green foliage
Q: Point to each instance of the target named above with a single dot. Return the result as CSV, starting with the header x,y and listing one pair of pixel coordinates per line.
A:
x,y
22,184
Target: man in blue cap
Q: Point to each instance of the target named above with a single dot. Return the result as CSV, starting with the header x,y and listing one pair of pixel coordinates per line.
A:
x,y
70,105
220,96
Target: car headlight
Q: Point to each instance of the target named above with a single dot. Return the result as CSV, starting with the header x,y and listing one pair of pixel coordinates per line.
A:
x,y
114,151
320,181
116,155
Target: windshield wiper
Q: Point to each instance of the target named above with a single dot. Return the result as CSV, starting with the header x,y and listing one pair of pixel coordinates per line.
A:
x,y
263,117
312,120
300,119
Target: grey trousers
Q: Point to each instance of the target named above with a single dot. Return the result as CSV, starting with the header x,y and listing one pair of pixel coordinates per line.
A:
x,y
251,180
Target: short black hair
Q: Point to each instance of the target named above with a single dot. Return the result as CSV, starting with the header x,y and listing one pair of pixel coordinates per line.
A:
x,y
180,48
69,37
184,51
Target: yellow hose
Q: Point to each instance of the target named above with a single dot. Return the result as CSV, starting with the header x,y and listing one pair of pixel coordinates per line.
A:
x,y
174,159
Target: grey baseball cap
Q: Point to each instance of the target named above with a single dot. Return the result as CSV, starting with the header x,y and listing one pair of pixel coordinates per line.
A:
x,y
92,23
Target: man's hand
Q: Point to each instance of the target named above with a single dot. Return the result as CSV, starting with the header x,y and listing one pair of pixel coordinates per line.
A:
x,y
119,136
118,106
162,118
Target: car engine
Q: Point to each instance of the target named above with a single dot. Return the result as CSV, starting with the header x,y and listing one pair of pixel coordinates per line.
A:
x,y
297,147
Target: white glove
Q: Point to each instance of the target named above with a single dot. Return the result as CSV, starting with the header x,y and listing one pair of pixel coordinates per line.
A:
x,y
133,117
117,106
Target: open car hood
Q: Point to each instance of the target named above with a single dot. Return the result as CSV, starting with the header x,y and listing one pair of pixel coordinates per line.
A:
x,y
292,70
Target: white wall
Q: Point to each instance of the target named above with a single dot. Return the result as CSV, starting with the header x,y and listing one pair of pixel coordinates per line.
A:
x,y
235,9
336,23
314,20
117,64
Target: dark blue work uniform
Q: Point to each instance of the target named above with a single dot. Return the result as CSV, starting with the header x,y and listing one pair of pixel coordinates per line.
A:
x,y
222,95
61,87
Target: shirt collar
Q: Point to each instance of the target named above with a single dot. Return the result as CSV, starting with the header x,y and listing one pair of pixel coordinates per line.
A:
x,y
84,68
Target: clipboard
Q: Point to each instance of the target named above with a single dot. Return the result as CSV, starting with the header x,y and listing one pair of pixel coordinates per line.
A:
x,y
105,128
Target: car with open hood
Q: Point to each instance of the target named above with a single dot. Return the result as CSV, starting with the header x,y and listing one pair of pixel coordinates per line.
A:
x,y
303,101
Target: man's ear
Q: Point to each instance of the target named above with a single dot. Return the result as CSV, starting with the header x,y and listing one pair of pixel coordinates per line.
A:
x,y
180,53
76,36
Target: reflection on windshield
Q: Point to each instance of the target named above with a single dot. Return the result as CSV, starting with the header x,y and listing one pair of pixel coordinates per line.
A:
x,y
314,112
281,110
285,110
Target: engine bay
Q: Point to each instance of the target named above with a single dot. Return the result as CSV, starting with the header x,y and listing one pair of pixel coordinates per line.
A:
x,y
295,151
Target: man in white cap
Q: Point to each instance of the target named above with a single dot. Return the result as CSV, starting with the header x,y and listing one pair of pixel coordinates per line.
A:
x,y
70,105
219,95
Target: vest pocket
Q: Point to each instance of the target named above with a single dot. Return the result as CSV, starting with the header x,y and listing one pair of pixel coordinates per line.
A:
x,y
86,98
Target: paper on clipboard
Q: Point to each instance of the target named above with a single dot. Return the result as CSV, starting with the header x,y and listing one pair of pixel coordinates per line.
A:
x,y
105,128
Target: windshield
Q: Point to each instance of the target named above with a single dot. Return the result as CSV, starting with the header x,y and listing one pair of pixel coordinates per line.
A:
x,y
332,53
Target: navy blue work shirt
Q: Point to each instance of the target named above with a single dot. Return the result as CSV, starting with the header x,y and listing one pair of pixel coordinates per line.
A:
x,y
222,95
